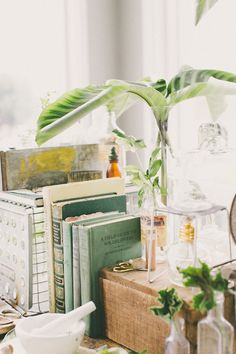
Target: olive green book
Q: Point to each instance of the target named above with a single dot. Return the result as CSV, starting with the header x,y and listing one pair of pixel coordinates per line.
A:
x,y
103,244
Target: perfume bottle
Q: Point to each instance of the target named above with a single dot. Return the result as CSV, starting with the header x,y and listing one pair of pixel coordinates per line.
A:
x,y
214,333
113,169
176,343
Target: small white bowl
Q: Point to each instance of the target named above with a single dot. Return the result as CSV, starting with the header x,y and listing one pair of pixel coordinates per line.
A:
x,y
65,343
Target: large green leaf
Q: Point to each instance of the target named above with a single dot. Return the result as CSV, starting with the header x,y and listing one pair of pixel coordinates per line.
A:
x,y
117,95
202,7
189,76
144,90
71,107
214,93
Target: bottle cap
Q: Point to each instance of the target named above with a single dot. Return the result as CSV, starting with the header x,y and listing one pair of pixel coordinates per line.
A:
x,y
113,155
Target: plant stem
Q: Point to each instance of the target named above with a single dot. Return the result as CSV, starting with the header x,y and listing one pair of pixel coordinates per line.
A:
x,y
163,171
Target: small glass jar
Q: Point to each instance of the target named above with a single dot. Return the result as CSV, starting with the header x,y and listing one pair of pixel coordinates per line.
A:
x,y
176,343
194,236
214,333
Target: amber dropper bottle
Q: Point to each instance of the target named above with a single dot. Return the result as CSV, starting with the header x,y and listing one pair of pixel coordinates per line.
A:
x,y
113,169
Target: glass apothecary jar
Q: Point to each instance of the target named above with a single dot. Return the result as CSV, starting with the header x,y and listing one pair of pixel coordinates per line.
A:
x,y
214,333
197,230
176,343
211,166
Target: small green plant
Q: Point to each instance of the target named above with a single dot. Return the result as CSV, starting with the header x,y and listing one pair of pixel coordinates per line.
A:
x,y
148,181
202,277
170,304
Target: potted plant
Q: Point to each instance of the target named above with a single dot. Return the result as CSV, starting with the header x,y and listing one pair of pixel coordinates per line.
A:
x,y
119,95
214,333
169,307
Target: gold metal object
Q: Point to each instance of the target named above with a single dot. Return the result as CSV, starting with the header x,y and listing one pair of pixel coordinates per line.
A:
x,y
123,267
186,232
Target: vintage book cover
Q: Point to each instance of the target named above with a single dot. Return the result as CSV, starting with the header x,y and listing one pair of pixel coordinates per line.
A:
x,y
65,192
62,210
100,245
71,237
38,167
71,255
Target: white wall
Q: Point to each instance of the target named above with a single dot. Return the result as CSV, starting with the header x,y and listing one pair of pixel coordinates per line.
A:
x,y
56,45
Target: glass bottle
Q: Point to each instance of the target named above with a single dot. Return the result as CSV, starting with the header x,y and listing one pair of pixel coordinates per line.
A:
x,y
113,169
214,333
176,343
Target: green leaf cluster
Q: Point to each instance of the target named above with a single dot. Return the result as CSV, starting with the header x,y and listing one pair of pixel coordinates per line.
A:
x,y
202,277
148,181
129,141
170,304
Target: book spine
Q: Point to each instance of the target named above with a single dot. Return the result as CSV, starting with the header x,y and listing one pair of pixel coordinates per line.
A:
x,y
49,244
85,273
3,186
68,281
58,259
76,267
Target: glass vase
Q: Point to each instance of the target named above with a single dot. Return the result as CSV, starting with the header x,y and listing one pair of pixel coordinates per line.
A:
x,y
214,333
176,343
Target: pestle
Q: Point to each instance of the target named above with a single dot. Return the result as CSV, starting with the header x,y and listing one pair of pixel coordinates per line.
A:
x,y
65,321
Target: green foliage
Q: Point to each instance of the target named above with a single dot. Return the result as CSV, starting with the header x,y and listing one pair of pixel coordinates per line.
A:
x,y
202,7
147,181
170,304
201,277
128,140
118,96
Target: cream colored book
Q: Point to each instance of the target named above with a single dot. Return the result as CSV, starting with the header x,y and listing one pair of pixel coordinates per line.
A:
x,y
52,194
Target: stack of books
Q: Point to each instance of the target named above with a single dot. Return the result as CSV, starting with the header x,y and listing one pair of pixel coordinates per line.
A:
x,y
86,228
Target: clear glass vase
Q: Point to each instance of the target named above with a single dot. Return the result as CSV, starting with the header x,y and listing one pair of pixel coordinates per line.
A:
x,y
176,343
214,333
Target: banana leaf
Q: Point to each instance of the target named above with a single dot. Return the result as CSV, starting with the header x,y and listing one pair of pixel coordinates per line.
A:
x,y
74,105
202,7
118,96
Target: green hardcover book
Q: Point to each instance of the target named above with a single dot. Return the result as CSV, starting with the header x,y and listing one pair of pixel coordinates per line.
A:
x,y
71,256
101,245
62,210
